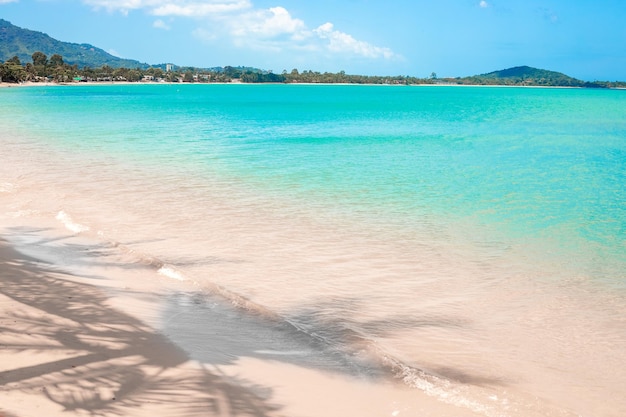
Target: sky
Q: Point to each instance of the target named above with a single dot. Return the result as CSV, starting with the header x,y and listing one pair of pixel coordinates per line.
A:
x,y
585,39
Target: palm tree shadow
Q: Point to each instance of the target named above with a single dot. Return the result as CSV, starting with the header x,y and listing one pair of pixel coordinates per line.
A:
x,y
112,363
104,362
339,342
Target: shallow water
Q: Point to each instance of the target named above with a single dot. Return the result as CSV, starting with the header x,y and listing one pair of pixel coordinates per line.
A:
x,y
470,240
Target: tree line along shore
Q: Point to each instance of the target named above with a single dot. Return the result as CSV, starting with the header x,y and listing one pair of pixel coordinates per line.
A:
x,y
55,70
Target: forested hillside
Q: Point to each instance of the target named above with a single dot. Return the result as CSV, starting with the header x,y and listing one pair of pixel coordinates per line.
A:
x,y
524,75
15,41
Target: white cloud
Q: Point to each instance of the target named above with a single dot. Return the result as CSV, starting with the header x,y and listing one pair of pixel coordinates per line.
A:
x,y
159,24
8,1
123,6
265,24
199,9
273,29
196,8
483,4
343,43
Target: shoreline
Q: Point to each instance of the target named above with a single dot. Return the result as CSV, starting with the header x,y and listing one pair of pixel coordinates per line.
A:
x,y
83,343
110,83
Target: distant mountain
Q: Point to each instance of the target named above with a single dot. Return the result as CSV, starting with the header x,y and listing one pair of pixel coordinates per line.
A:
x,y
524,75
525,72
23,43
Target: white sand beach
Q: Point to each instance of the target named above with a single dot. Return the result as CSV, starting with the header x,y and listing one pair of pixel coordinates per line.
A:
x,y
81,344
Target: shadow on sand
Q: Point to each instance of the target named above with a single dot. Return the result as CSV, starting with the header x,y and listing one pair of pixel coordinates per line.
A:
x,y
104,362
108,363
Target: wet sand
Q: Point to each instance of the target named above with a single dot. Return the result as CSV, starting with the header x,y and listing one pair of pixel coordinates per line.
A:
x,y
66,351
106,341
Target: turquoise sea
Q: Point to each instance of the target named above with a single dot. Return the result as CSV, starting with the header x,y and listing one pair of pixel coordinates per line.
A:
x,y
473,238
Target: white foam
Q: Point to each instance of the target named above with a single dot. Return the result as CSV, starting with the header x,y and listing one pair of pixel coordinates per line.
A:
x,y
69,224
171,273
445,392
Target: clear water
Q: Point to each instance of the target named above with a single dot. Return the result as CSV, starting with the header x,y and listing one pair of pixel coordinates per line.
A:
x,y
474,238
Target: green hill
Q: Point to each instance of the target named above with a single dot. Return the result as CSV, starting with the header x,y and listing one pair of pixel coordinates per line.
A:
x,y
524,72
524,75
534,75
23,43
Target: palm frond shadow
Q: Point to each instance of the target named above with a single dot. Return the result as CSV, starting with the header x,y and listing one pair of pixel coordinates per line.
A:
x,y
105,362
339,343
112,363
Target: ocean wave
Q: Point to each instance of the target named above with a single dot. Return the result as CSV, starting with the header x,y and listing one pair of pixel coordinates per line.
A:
x,y
70,225
171,272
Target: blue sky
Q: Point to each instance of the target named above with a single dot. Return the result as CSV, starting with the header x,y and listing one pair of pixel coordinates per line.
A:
x,y
583,38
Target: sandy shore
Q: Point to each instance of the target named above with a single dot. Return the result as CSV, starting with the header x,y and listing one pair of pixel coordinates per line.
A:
x,y
106,342
65,351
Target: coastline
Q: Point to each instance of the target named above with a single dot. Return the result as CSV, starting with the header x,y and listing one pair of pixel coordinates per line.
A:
x,y
109,83
95,341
